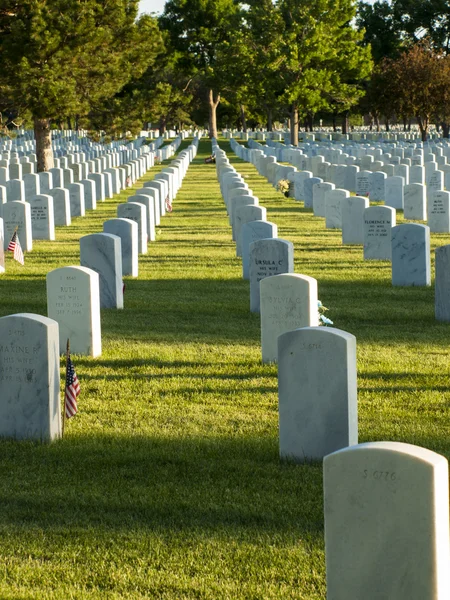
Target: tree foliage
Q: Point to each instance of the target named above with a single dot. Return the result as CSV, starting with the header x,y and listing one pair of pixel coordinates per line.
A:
x,y
60,57
197,28
416,84
380,29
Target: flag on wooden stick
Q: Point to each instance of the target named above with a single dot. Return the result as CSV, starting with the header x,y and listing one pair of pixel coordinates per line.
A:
x,y
72,388
15,247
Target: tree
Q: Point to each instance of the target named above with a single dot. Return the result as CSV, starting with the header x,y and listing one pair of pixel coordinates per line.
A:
x,y
321,58
382,97
419,19
380,29
256,58
420,79
60,57
197,28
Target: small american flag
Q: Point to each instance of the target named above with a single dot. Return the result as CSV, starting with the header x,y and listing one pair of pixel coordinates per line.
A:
x,y
72,390
14,246
168,204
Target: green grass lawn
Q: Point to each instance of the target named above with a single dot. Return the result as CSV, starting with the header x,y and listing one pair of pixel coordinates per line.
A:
x,y
167,483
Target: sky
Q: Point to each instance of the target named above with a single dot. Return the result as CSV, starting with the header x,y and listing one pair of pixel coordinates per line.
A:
x,y
149,6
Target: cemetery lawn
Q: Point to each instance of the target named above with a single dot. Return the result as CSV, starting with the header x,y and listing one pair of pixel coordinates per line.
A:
x,y
167,483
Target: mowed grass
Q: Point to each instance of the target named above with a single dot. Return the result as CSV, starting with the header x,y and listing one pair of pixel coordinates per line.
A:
x,y
167,483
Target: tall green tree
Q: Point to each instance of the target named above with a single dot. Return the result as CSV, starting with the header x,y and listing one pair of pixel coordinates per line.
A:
x,y
197,28
380,28
60,57
322,58
255,58
419,19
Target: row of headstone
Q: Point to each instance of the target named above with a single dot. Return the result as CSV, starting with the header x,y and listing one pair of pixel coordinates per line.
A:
x,y
323,134
400,185
37,217
318,418
113,253
291,336
71,147
30,345
311,399
374,227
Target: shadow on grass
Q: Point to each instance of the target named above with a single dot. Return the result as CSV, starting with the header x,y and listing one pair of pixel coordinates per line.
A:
x,y
390,315
158,483
217,310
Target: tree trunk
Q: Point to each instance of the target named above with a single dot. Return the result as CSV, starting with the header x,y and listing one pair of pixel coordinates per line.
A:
x,y
243,120
405,124
377,123
334,122
423,126
44,150
213,103
446,130
294,124
162,124
345,122
269,120
387,124
311,122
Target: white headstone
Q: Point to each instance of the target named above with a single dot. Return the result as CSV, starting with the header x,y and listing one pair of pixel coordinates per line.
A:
x,y
393,194
288,301
438,209
73,300
18,214
42,217
377,182
252,232
2,252
333,210
386,523
61,206
149,201
378,222
236,203
319,191
246,214
434,183
29,378
415,207
417,174
99,180
411,255
352,209
45,181
15,190
90,194
442,283
102,253
363,183
76,197
128,231
317,392
137,212
268,257
32,185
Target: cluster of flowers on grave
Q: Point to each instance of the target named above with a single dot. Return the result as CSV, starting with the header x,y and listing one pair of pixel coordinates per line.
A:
x,y
323,320
283,186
